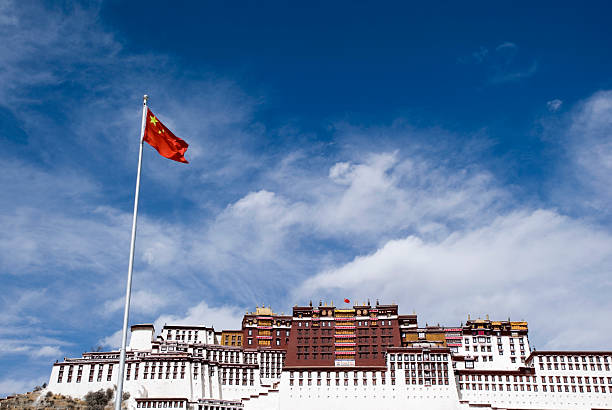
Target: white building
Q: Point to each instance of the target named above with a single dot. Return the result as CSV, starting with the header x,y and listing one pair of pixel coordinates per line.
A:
x,y
483,364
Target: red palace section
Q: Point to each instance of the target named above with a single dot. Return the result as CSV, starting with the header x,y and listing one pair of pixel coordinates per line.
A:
x,y
326,336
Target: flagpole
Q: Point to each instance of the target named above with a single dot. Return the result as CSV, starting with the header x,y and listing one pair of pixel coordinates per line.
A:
x,y
128,290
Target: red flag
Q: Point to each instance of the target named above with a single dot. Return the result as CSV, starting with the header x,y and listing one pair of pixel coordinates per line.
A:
x,y
347,301
163,140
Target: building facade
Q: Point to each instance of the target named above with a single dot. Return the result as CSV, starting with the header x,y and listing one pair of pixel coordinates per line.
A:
x,y
365,356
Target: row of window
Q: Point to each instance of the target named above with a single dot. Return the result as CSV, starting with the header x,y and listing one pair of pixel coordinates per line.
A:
x,y
573,379
499,348
230,382
307,349
328,382
421,365
314,356
231,377
217,407
497,387
155,404
529,387
528,379
367,355
576,359
487,339
418,357
263,342
310,374
101,356
232,356
420,373
185,335
469,364
578,389
266,332
79,374
315,340
379,323
373,348
318,374
160,375
329,323
276,322
570,366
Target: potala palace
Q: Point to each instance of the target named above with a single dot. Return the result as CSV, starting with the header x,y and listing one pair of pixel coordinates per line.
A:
x,y
364,357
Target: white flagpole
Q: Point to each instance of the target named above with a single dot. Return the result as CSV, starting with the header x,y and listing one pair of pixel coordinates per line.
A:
x,y
128,289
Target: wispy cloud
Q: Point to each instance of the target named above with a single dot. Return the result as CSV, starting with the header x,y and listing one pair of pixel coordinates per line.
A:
x,y
48,351
505,74
26,343
503,64
524,264
507,45
201,314
554,105
221,317
13,386
584,132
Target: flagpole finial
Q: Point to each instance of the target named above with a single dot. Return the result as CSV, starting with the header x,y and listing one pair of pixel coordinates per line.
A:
x,y
145,98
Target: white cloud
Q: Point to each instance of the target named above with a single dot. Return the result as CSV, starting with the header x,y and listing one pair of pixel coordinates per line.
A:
x,y
7,15
26,31
48,351
537,265
507,45
219,317
506,75
114,341
554,105
387,193
589,145
141,301
10,386
504,64
480,55
24,342
260,242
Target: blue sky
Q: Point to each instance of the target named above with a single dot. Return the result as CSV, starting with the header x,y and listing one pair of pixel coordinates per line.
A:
x,y
452,158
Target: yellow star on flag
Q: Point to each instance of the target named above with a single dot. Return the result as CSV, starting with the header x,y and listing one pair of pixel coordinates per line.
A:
x,y
162,139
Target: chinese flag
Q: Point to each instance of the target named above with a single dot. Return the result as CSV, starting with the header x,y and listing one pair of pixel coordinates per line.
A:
x,y
163,140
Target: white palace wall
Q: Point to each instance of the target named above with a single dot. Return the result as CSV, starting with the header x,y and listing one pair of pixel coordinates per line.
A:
x,y
213,377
